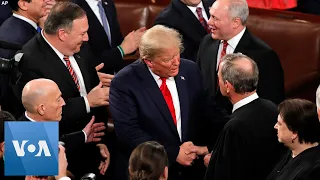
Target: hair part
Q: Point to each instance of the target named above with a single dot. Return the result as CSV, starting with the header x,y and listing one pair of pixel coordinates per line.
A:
x,y
157,39
301,117
239,9
62,16
243,80
147,161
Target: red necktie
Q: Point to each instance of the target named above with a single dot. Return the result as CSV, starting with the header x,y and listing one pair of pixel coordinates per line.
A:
x,y
202,20
223,52
167,96
71,71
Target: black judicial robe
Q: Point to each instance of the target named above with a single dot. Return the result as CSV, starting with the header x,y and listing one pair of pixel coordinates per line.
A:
x,y
305,166
248,147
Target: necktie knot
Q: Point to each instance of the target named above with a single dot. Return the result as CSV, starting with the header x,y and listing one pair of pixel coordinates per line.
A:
x,y
199,10
66,58
202,20
225,44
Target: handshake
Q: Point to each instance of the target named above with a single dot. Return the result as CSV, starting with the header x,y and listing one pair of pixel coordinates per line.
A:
x,y
189,152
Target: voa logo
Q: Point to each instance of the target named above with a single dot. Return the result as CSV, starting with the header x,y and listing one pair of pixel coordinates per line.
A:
x,y
40,149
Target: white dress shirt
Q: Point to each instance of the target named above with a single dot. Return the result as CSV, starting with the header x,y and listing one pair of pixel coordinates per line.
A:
x,y
171,84
32,23
232,44
93,4
245,101
32,120
194,11
74,65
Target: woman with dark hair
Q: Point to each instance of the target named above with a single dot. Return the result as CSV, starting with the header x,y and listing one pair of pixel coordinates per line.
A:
x,y
148,161
298,129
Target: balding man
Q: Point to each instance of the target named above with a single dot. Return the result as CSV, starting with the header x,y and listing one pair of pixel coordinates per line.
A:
x,y
43,102
247,147
229,34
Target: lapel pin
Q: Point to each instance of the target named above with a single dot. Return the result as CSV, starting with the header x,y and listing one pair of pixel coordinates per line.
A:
x,y
105,3
182,77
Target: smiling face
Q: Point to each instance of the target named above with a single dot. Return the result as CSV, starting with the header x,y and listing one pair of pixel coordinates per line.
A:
x,y
220,21
74,37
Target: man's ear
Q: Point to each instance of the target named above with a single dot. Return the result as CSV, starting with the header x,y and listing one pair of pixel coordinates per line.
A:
x,y
164,176
23,5
148,63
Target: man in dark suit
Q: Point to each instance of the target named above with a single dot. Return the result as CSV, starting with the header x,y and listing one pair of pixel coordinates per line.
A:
x,y
247,147
190,18
228,35
105,38
160,98
19,28
43,102
55,54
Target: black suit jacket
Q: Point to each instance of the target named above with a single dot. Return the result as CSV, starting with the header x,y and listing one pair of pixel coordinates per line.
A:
x,y
18,31
15,30
40,61
248,146
271,79
178,16
5,10
147,117
98,39
72,141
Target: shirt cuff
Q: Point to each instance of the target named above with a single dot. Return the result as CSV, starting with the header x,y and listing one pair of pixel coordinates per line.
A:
x,y
64,178
87,103
85,136
121,50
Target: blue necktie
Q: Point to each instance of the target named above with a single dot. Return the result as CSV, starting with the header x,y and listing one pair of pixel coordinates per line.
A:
x,y
38,29
104,21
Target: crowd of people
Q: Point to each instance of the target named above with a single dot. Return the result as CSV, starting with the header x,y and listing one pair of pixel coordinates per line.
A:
x,y
205,100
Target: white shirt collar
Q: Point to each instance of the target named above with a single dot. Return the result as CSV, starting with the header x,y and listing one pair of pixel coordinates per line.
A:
x,y
32,23
194,9
93,3
233,42
29,118
60,55
245,101
157,78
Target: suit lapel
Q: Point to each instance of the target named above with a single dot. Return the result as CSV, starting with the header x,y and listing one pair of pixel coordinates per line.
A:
x,y
181,83
56,63
197,31
82,66
210,56
154,92
243,43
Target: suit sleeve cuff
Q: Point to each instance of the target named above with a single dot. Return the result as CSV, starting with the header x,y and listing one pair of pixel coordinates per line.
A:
x,y
64,178
87,103
85,136
121,50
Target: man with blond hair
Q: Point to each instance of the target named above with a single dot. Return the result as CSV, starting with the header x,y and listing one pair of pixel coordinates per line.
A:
x,y
160,98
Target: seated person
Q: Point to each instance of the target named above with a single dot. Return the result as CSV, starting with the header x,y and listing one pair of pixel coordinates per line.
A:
x,y
148,161
299,129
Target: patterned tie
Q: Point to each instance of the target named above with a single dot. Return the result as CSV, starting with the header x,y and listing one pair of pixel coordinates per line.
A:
x,y
71,71
167,96
223,52
104,20
202,20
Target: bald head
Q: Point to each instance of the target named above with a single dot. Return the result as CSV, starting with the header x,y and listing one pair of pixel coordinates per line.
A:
x,y
240,71
42,98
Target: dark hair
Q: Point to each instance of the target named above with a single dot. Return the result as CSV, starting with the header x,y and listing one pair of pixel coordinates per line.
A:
x,y
147,161
14,4
242,80
301,117
62,15
4,116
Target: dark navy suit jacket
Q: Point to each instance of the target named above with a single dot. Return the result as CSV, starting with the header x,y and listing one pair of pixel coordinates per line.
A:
x,y
141,114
